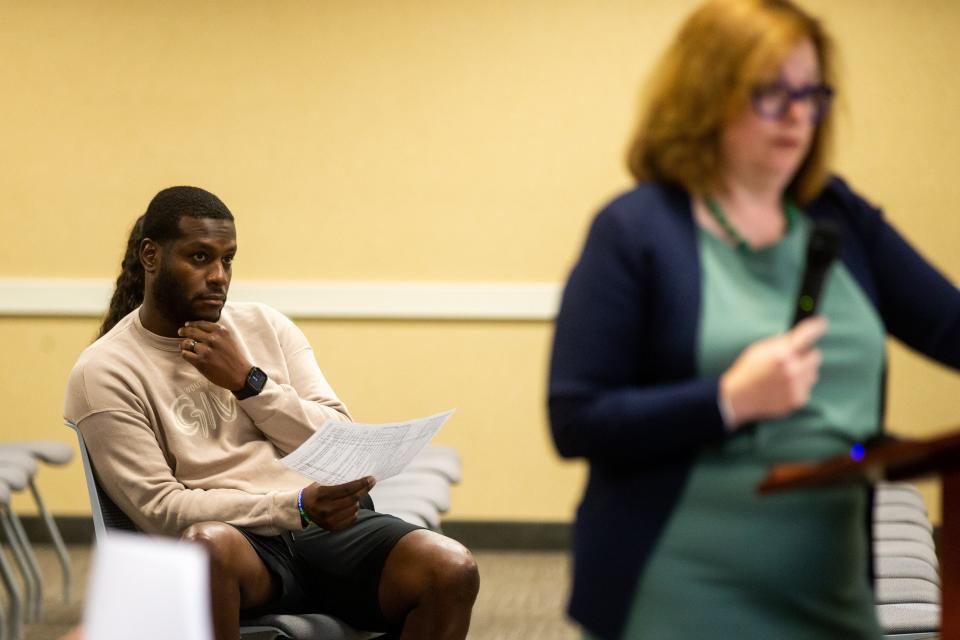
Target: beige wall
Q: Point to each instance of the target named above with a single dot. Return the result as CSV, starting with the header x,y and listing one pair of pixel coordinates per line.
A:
x,y
401,140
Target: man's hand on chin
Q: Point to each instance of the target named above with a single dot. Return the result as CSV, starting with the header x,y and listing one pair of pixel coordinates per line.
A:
x,y
211,348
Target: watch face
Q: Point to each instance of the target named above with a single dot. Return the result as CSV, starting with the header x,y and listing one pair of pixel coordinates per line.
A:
x,y
257,379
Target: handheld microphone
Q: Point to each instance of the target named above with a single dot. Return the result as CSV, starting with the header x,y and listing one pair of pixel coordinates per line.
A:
x,y
822,250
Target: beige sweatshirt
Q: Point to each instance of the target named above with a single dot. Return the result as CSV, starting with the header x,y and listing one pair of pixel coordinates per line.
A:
x,y
171,448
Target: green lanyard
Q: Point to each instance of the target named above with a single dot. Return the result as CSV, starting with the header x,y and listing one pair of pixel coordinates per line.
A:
x,y
790,209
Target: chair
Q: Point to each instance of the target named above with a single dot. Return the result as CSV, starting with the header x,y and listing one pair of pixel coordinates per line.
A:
x,y
14,629
14,473
57,454
413,509
433,487
421,492
907,582
439,459
314,626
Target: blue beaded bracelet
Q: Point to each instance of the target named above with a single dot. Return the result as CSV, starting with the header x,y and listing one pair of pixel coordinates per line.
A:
x,y
304,518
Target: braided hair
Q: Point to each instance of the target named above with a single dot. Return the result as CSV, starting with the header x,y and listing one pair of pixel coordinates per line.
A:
x,y
160,223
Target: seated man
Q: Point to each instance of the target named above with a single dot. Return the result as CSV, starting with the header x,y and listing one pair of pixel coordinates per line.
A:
x,y
187,403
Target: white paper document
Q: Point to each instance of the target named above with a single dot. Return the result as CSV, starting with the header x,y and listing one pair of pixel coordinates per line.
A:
x,y
343,451
149,589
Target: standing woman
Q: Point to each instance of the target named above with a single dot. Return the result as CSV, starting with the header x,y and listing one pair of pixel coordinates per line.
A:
x,y
676,372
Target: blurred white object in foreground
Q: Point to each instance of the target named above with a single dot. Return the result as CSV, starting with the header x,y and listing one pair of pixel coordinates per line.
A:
x,y
148,588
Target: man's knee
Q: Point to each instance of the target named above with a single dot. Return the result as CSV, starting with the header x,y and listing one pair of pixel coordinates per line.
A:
x,y
456,571
220,541
444,567
234,562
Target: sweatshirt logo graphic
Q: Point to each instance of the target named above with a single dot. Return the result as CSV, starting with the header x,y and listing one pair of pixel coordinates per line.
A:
x,y
197,410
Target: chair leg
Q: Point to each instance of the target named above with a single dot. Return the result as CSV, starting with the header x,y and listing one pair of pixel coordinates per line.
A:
x,y
20,559
13,592
32,563
57,539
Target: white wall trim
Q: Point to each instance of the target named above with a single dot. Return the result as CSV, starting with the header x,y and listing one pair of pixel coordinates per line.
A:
x,y
313,299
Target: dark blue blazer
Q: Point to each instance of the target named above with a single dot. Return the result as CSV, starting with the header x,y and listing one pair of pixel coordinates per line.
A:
x,y
624,391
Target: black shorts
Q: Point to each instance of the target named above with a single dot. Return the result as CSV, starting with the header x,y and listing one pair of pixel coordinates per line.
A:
x,y
334,573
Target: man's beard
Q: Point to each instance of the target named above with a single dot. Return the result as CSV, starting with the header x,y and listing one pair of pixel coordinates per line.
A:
x,y
172,301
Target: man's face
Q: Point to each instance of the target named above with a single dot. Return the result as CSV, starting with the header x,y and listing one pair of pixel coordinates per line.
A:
x,y
195,270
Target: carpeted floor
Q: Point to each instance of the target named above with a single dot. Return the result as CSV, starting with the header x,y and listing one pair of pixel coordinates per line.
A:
x,y
522,595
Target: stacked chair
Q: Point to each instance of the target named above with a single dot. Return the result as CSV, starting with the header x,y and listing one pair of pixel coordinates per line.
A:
x,y
421,493
18,468
14,628
907,582
417,495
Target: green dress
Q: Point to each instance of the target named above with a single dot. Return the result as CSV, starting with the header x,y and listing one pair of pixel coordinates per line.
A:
x,y
731,564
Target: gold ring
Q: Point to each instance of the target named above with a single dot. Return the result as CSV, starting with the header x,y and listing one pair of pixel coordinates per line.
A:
x,y
193,345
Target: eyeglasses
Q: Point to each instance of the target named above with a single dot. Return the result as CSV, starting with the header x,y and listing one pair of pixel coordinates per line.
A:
x,y
772,101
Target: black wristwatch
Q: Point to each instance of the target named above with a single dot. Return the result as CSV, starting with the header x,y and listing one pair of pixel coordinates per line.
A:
x,y
256,380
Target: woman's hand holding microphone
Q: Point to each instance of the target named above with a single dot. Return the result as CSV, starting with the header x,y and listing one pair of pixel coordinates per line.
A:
x,y
773,376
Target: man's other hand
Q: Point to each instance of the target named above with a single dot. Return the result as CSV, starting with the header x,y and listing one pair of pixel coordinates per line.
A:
x,y
212,350
335,508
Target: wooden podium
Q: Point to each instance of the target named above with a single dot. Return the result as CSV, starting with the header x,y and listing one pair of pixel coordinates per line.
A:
x,y
899,460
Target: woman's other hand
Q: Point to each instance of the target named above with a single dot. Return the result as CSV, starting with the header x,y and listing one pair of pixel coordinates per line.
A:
x,y
773,376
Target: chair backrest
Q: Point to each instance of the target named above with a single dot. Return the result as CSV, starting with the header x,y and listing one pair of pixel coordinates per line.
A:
x,y
106,514
907,584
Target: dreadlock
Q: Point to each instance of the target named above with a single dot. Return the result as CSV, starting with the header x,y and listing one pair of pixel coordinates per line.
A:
x,y
160,223
128,292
